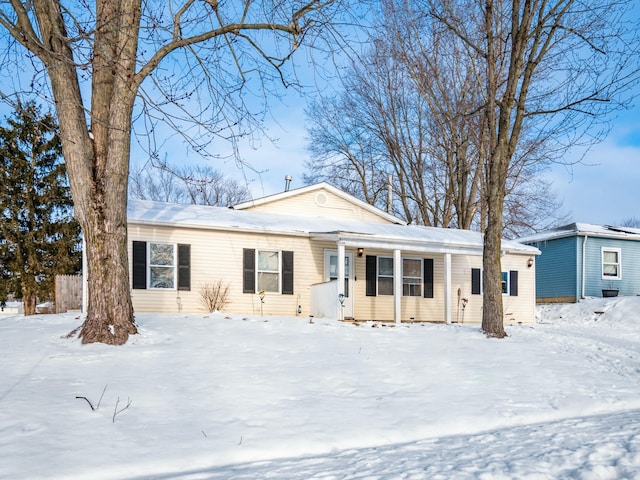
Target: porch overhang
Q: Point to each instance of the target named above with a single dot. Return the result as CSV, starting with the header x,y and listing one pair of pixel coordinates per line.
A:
x,y
360,240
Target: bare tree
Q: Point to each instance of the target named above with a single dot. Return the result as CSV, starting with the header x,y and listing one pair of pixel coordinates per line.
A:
x,y
184,60
342,150
413,106
633,222
195,184
557,66
158,184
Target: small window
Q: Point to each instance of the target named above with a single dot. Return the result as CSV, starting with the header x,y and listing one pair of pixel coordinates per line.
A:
x,y
411,277
611,264
385,275
509,282
333,271
269,271
505,283
162,261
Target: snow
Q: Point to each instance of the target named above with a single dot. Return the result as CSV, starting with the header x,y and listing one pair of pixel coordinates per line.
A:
x,y
573,229
146,212
233,397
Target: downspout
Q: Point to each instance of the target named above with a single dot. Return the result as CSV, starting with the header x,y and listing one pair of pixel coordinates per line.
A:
x,y
447,288
397,286
584,267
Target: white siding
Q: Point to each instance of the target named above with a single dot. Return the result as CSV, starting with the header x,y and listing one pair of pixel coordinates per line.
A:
x,y
319,203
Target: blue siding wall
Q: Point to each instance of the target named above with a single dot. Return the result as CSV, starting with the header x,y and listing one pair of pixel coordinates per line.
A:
x,y
557,267
630,258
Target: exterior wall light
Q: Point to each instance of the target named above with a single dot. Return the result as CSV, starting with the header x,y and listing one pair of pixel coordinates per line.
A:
x,y
360,251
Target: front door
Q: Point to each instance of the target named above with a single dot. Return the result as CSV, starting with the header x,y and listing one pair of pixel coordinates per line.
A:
x,y
331,273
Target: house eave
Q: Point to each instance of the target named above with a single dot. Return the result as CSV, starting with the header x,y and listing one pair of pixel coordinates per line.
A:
x,y
220,228
368,241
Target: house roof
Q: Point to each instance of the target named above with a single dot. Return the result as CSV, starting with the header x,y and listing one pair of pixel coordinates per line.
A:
x,y
582,229
316,187
346,231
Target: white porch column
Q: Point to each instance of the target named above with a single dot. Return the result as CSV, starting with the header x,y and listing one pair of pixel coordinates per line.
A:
x,y
447,288
397,286
340,279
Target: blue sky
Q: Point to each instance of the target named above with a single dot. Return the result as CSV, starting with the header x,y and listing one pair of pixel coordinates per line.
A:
x,y
603,189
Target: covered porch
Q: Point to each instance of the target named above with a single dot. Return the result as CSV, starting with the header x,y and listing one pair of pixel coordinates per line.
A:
x,y
351,253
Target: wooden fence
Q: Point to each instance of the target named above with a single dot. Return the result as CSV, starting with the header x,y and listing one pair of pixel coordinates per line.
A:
x,y
68,293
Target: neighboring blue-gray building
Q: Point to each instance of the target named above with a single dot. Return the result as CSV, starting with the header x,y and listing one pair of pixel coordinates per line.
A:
x,y
582,260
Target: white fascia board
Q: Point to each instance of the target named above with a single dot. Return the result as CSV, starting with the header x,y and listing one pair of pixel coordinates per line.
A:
x,y
355,240
380,243
220,228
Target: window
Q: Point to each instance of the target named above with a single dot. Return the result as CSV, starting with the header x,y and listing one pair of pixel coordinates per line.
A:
x,y
417,276
411,277
611,264
385,275
268,271
333,271
509,282
161,265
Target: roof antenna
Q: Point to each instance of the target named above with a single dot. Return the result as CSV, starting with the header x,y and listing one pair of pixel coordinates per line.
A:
x,y
287,183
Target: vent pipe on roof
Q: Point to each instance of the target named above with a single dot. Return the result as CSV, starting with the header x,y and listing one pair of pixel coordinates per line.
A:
x,y
287,183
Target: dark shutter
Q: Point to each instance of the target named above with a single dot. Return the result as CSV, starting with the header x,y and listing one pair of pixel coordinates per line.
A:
x,y
513,281
287,273
475,281
428,277
139,265
249,270
371,274
184,267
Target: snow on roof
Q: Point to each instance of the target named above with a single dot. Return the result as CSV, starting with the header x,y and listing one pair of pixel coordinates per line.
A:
x,y
353,233
573,229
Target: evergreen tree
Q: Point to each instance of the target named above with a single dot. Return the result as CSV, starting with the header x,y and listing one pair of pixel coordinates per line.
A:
x,y
39,237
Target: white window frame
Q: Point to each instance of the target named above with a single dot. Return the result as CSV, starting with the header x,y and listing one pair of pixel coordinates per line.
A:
x,y
378,275
173,266
278,271
420,284
618,251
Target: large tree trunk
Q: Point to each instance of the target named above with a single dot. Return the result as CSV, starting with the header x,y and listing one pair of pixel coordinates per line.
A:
x,y
110,311
492,310
98,161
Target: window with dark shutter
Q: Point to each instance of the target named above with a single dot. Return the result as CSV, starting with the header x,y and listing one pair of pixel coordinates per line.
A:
x,y
475,281
371,271
287,273
513,283
249,270
184,267
139,265
428,277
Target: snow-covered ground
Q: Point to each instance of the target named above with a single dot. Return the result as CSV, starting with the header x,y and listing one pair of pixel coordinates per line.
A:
x,y
229,397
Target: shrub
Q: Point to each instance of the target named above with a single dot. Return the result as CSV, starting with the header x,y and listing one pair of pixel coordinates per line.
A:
x,y
214,296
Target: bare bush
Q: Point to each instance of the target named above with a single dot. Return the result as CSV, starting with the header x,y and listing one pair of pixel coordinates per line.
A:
x,y
214,296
